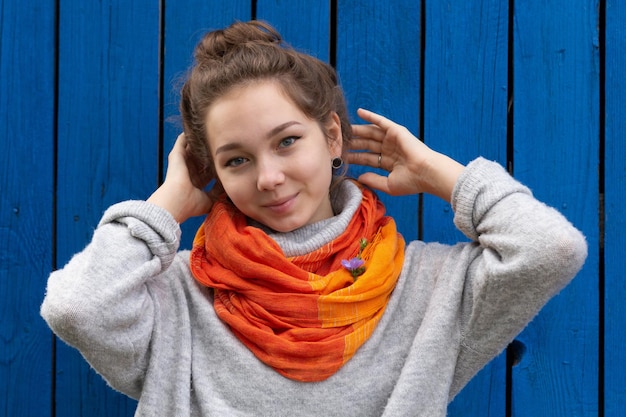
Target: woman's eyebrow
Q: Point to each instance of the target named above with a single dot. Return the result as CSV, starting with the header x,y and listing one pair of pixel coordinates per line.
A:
x,y
281,127
228,147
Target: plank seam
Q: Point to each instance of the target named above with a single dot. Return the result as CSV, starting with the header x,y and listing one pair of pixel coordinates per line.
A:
x,y
510,361
332,50
161,95
422,105
55,188
601,203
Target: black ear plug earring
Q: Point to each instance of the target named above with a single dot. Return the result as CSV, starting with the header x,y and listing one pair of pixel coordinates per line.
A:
x,y
337,162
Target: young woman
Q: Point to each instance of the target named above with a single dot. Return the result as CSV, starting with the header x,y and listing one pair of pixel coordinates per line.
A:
x,y
299,296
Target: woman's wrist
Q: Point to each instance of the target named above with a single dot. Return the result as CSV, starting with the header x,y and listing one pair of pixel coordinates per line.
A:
x,y
166,200
441,175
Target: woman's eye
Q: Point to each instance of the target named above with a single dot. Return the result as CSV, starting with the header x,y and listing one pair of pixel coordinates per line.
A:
x,y
288,141
235,162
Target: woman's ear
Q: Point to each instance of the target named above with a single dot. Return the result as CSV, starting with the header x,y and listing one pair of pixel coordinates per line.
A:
x,y
335,138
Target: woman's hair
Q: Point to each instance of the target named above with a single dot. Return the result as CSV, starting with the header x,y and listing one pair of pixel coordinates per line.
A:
x,y
245,53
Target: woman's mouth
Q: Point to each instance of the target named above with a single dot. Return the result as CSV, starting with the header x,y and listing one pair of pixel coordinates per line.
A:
x,y
282,205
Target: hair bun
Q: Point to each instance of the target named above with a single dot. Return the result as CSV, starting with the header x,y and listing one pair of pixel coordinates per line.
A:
x,y
216,44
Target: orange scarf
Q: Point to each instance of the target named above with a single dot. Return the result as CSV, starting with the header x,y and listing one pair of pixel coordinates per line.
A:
x,y
305,316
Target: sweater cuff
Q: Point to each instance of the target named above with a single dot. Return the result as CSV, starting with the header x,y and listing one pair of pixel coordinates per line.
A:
x,y
482,184
149,223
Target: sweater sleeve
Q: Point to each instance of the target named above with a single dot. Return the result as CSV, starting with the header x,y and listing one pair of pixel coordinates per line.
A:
x,y
103,301
525,253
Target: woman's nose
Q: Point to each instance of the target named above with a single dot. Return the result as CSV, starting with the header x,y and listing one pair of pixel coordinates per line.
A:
x,y
269,174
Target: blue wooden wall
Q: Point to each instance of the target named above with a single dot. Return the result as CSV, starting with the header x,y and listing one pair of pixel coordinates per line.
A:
x,y
88,112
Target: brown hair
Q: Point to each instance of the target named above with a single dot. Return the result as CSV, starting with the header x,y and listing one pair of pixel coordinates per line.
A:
x,y
246,53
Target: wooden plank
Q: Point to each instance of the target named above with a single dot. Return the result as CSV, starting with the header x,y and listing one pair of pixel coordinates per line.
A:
x,y
26,204
304,25
185,24
465,116
108,127
615,215
378,61
556,133
465,92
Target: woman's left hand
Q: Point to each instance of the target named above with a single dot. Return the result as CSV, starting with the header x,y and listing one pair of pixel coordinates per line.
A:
x,y
412,166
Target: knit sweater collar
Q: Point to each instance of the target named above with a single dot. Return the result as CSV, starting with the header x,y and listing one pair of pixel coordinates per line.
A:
x,y
345,198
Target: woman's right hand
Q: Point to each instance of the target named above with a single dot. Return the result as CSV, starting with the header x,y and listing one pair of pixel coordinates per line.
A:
x,y
177,194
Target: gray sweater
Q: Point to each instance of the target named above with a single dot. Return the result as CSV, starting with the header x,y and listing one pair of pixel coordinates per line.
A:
x,y
130,305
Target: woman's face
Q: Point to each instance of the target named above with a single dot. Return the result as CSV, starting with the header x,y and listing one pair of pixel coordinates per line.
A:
x,y
272,160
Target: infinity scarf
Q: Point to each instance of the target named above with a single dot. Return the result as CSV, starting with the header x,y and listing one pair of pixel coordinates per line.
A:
x,y
304,316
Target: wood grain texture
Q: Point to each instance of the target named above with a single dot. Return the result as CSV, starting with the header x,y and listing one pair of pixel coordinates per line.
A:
x,y
303,25
108,131
185,24
108,128
465,116
615,215
556,112
26,205
378,56
465,92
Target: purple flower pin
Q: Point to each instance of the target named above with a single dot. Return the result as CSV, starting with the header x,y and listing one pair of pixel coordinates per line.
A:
x,y
352,264
356,264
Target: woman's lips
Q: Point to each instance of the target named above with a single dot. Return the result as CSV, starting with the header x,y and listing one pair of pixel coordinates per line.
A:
x,y
281,206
